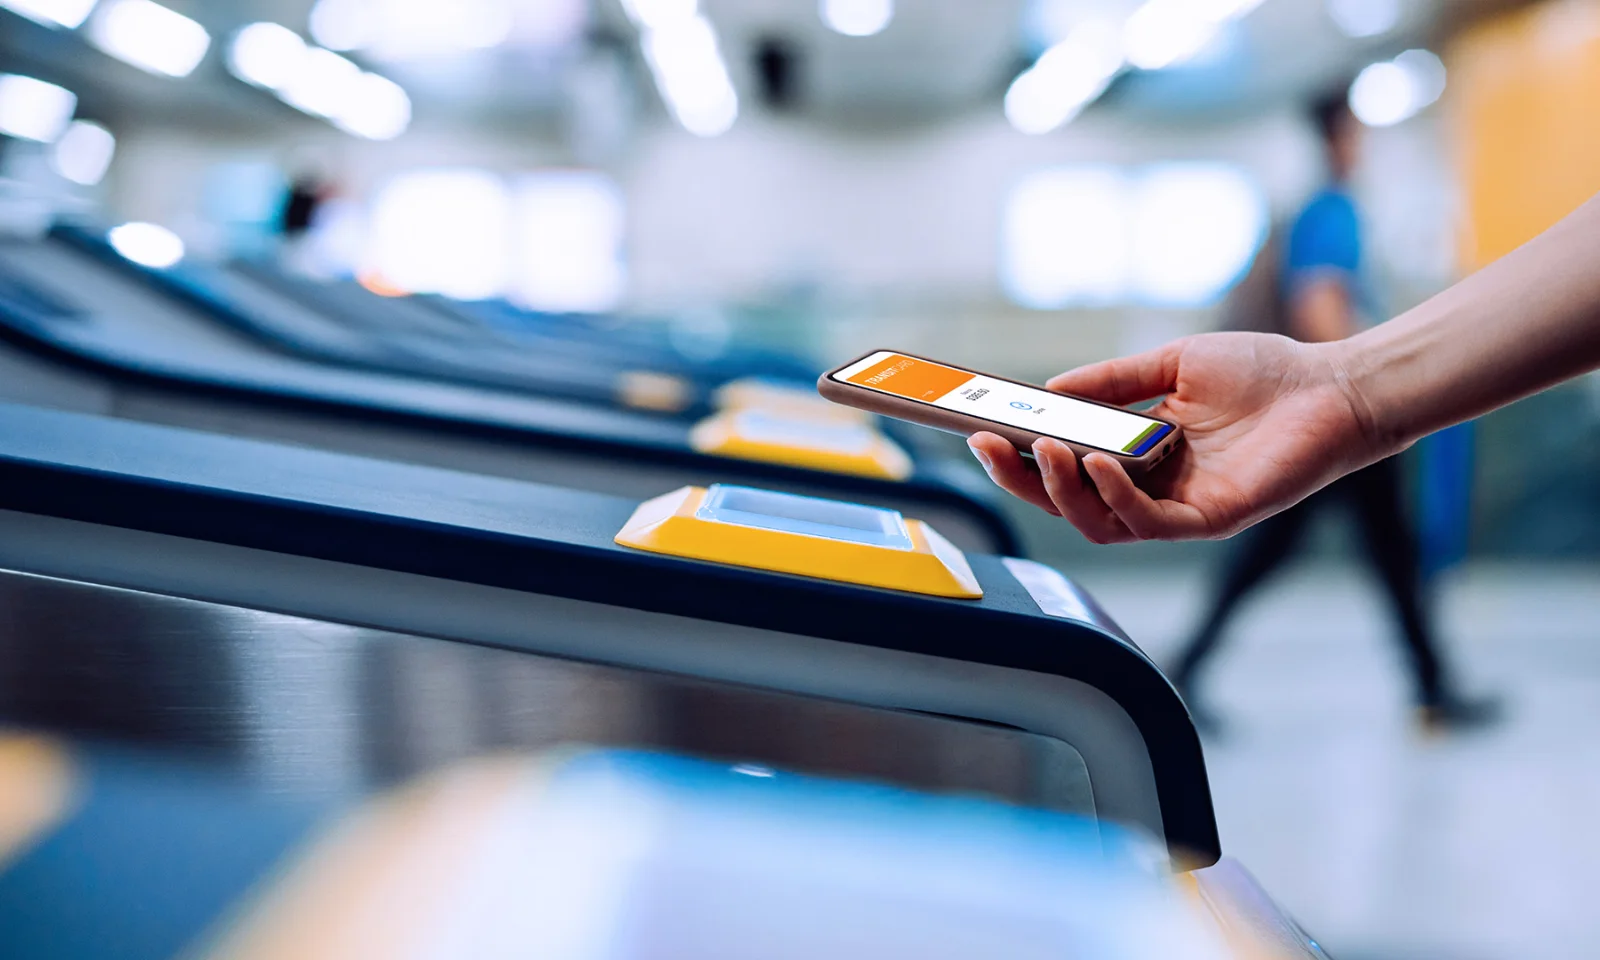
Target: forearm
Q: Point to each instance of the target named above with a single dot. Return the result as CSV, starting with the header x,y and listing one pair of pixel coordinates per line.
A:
x,y
1523,323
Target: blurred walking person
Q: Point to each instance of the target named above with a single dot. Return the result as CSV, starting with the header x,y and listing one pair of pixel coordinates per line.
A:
x,y
1313,286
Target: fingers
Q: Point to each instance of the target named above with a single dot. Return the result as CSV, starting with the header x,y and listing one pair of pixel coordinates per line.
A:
x,y
1077,501
1006,468
1126,379
1142,516
1106,507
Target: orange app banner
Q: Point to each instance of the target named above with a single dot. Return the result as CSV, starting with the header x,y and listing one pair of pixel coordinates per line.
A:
x,y
911,378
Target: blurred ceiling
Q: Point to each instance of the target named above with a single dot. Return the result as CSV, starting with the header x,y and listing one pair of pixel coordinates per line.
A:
x,y
936,58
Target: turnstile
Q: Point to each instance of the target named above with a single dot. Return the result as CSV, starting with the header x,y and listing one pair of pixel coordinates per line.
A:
x,y
88,338
318,624
342,323
251,531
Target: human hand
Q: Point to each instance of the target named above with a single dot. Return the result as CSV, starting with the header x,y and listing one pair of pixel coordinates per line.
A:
x,y
1266,422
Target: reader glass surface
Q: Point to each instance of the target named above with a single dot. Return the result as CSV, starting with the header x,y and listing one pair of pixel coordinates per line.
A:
x,y
810,516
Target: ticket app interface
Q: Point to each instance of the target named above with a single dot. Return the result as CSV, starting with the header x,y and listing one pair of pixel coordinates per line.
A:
x,y
1002,401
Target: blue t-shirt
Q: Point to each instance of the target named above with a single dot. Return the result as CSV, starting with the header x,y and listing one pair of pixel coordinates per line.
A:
x,y
1325,241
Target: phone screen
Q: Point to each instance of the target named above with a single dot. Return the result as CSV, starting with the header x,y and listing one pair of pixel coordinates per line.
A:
x,y
1001,401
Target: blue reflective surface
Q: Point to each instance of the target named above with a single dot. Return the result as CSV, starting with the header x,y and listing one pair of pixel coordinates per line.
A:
x,y
811,516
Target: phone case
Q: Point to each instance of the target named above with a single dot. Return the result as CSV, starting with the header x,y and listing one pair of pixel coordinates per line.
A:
x,y
966,425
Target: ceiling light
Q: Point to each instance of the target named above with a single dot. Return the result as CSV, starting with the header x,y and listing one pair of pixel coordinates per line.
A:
x,y
550,23
51,13
1383,95
412,29
147,244
266,55
374,107
340,24
32,109
1165,33
1428,73
653,14
857,18
323,84
425,27
1364,18
319,82
1065,79
149,36
1393,91
691,75
1221,11
83,154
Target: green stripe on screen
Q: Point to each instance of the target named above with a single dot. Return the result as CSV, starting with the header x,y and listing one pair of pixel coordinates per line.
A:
x,y
1141,438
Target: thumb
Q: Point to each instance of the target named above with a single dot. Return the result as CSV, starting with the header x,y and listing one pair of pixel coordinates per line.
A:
x,y
1126,379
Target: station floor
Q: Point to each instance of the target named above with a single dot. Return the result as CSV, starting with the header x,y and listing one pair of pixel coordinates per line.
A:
x,y
1385,843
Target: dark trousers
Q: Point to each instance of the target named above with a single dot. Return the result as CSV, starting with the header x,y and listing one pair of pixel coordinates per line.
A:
x,y
1373,495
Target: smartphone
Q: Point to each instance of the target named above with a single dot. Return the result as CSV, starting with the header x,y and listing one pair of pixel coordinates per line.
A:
x,y
962,401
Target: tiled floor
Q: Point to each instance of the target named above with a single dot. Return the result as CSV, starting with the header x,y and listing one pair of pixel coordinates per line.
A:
x,y
1385,843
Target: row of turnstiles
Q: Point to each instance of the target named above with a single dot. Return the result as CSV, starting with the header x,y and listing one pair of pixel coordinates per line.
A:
x,y
278,554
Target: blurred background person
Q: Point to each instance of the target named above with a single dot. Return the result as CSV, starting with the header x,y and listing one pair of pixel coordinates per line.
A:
x,y
303,204
319,227
1324,294
300,205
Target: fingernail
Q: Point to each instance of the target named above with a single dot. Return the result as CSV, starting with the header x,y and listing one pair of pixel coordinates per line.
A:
x,y
1039,458
983,458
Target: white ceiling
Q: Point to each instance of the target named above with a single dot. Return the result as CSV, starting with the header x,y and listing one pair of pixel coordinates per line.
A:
x,y
936,58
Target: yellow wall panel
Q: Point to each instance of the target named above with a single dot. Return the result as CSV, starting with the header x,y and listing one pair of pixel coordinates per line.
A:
x,y
1525,93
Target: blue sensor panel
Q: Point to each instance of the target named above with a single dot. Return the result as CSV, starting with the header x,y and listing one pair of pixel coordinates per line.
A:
x,y
810,516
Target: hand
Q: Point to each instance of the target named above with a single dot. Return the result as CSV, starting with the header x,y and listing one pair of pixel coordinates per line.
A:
x,y
1266,422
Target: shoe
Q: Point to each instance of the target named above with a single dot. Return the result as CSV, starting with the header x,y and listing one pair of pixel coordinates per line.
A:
x,y
1452,713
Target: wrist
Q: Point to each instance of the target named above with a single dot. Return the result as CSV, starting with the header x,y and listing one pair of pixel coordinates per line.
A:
x,y
1364,370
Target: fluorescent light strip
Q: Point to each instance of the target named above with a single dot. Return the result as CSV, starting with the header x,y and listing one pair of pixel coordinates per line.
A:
x,y
319,82
1067,77
51,13
266,55
34,110
149,36
680,47
84,152
1393,91
1075,71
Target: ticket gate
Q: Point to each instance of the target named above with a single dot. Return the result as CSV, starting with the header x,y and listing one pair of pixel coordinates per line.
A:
x,y
484,344
713,355
430,553
320,622
88,338
343,324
